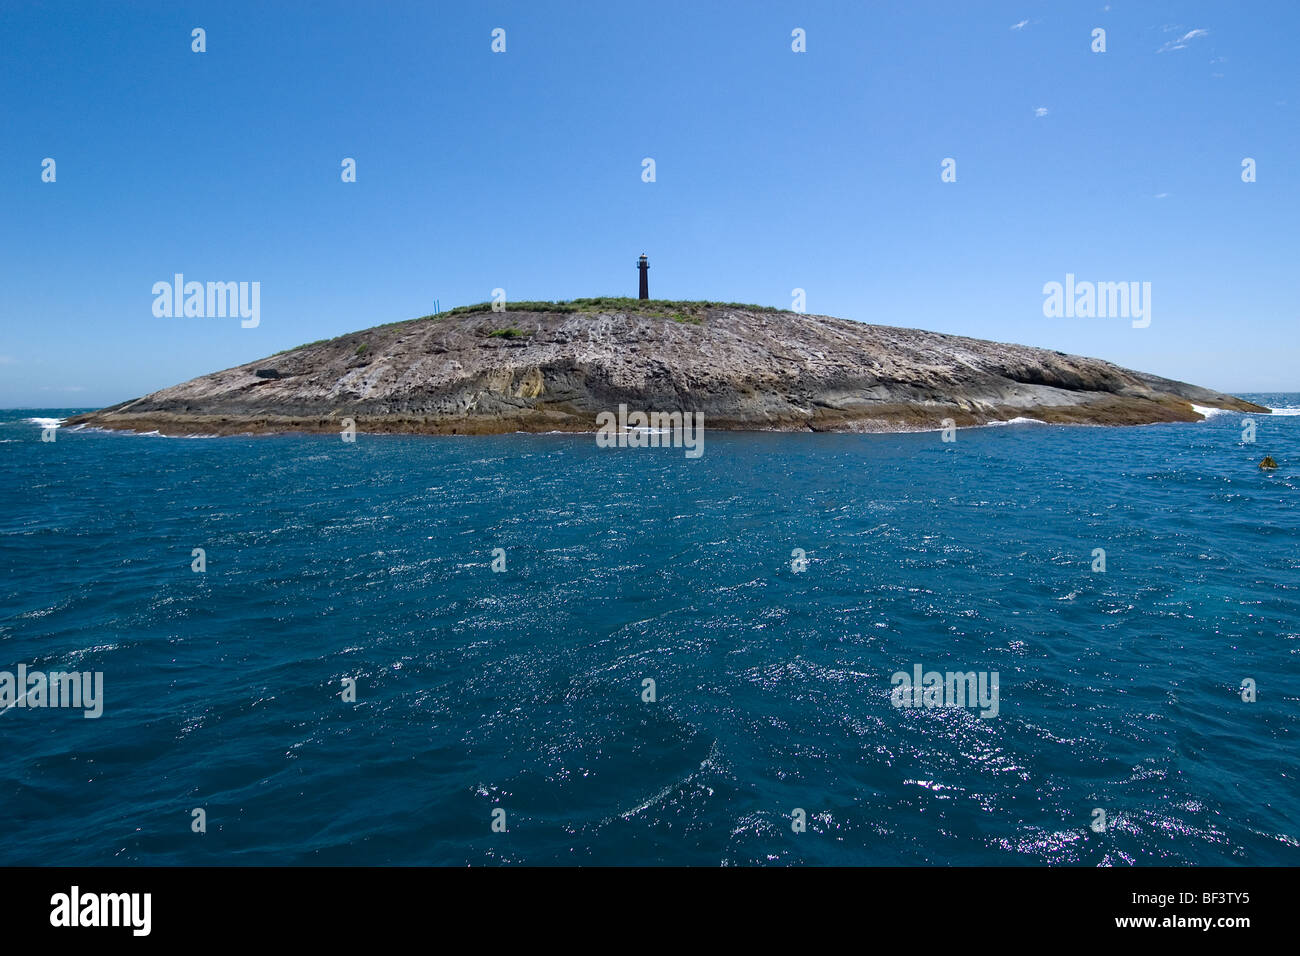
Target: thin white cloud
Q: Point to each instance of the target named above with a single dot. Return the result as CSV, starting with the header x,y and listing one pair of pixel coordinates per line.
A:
x,y
8,360
1041,111
1182,41
1161,195
1020,26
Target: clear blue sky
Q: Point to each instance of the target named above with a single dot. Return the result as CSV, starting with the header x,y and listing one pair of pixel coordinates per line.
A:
x,y
522,170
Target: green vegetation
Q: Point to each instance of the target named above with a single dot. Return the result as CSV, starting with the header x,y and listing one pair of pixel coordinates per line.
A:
x,y
361,349
688,319
305,345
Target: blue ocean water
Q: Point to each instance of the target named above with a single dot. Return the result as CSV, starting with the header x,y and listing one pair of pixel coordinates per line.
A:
x,y
521,690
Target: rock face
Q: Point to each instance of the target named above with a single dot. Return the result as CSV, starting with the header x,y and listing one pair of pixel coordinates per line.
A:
x,y
475,371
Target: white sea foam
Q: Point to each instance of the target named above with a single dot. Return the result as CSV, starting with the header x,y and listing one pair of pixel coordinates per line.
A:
x,y
45,422
130,433
1286,410
1019,421
1207,411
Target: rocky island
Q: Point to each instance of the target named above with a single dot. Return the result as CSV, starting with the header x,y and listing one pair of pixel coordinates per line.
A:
x,y
554,366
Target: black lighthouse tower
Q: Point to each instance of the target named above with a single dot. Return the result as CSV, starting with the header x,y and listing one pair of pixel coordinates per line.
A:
x,y
643,267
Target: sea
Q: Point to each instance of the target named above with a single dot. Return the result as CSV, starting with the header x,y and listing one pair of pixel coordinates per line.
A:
x,y
527,649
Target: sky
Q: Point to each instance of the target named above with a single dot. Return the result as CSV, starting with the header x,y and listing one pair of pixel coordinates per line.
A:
x,y
775,170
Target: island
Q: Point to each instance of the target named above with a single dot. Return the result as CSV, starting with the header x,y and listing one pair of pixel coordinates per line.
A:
x,y
555,366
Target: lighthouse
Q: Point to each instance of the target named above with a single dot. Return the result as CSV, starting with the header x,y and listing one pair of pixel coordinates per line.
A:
x,y
643,267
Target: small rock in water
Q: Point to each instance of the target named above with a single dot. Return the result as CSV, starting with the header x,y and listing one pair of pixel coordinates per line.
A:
x,y
1268,462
